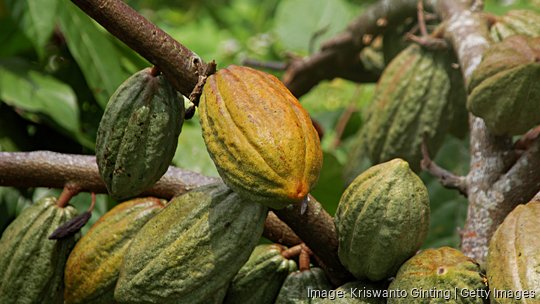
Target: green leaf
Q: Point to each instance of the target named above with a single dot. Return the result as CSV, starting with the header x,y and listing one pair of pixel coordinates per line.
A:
x,y
35,19
297,21
330,186
191,153
96,55
12,41
32,91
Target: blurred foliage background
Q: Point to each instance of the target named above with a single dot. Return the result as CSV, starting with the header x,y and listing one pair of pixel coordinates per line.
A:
x,y
58,69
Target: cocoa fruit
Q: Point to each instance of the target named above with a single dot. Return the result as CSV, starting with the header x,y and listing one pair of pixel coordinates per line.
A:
x,y
514,256
191,249
260,138
93,266
31,265
505,87
516,22
295,289
138,133
382,219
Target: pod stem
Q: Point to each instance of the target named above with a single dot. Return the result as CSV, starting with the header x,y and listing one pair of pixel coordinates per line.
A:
x,y
70,190
303,258
292,252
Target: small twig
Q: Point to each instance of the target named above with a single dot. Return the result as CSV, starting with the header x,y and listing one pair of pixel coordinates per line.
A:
x,y
70,190
292,252
344,118
446,178
270,65
303,259
194,96
527,139
421,19
314,37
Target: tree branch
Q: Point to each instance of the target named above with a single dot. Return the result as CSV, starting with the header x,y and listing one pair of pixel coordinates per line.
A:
x,y
496,182
51,169
316,228
338,57
445,177
180,65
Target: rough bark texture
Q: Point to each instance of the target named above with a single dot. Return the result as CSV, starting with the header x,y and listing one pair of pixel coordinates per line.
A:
x,y
496,183
181,66
316,228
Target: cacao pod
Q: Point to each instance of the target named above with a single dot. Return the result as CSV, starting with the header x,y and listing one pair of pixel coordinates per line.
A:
x,y
439,275
93,265
514,256
298,284
138,134
516,22
260,138
505,87
191,249
354,293
414,99
31,265
382,219
260,279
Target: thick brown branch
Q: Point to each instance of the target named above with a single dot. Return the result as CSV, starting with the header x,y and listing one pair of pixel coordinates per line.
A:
x,y
278,232
339,56
179,64
50,169
316,228
445,177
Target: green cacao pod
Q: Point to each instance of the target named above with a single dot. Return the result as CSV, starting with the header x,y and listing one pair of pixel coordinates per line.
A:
x,y
505,87
514,256
31,265
443,275
382,219
260,279
191,249
411,102
260,138
299,286
516,22
138,134
93,265
354,293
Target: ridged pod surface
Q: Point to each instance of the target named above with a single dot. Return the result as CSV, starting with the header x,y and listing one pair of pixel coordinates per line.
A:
x,y
514,255
446,271
353,293
505,87
261,140
296,286
191,249
412,100
516,22
93,265
260,279
31,265
382,219
138,133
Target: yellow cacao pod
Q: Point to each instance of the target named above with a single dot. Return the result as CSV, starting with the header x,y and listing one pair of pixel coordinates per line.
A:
x,y
261,140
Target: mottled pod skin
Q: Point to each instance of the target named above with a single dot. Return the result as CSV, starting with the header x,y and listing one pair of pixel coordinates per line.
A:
x,y
138,134
31,265
260,279
505,87
514,255
93,265
415,98
260,138
296,286
191,249
353,294
445,270
516,22
382,219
